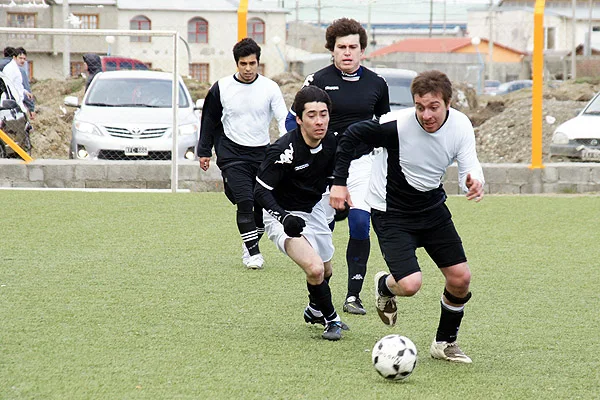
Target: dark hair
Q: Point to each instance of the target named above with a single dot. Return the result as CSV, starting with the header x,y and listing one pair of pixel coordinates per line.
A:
x,y
344,27
9,51
19,51
309,94
432,82
244,48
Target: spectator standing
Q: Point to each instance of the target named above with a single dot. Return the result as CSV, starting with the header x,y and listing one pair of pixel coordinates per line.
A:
x,y
409,202
357,94
290,184
8,53
236,115
93,64
14,72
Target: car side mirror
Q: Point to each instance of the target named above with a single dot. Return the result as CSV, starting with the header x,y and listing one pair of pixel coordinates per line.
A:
x,y
9,104
199,104
71,101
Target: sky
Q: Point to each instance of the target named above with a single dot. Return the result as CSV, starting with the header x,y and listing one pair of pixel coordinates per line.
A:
x,y
382,11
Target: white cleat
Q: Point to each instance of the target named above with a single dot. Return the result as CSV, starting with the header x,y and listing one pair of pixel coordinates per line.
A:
x,y
449,352
254,262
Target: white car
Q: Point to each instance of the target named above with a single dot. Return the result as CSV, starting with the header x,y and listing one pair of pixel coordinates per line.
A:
x,y
579,137
128,115
399,81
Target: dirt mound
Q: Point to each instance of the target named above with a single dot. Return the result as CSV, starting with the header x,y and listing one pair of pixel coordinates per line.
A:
x,y
502,123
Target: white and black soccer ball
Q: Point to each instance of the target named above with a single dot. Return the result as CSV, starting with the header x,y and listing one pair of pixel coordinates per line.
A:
x,y
394,357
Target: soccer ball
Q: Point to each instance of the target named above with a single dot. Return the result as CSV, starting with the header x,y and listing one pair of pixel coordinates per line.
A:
x,y
394,357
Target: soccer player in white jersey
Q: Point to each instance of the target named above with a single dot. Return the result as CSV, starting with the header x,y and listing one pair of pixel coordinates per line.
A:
x,y
407,200
290,185
235,120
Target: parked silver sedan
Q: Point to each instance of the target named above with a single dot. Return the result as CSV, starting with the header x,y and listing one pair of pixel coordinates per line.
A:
x,y
579,137
128,115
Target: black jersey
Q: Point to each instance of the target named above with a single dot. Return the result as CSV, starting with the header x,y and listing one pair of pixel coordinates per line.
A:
x,y
353,100
293,176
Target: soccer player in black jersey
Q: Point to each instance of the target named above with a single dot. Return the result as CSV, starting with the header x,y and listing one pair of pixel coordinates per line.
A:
x,y
357,94
290,184
235,120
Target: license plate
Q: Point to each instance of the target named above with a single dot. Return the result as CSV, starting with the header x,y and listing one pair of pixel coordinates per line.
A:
x,y
590,154
136,151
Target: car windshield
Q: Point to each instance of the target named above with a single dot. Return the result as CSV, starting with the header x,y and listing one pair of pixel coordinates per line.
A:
x,y
594,107
127,92
399,89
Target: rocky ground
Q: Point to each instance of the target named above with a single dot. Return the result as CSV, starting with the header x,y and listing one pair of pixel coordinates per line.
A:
x,y
502,123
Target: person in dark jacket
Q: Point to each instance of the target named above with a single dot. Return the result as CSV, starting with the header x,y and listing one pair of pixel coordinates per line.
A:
x,y
94,65
8,56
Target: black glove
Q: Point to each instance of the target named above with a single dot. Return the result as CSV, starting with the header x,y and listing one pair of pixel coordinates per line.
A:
x,y
341,215
293,225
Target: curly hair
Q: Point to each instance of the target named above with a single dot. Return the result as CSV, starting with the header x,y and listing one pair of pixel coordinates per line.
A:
x,y
432,82
344,27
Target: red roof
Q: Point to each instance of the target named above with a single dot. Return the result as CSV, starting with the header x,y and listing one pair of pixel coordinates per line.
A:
x,y
423,45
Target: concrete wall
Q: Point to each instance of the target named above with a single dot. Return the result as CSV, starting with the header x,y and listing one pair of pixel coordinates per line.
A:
x,y
500,178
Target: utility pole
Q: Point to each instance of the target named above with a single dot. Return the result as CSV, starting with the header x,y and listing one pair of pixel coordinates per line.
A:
x,y
319,13
573,44
588,36
491,35
430,16
66,41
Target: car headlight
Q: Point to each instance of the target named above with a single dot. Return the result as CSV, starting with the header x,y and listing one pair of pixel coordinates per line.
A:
x,y
86,127
560,138
189,129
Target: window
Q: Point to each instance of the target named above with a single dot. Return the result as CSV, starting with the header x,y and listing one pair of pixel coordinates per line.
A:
x,y
198,30
77,68
199,71
140,23
550,38
256,30
88,21
20,20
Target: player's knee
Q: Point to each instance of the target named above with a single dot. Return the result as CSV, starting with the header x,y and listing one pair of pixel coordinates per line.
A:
x,y
409,285
315,272
359,224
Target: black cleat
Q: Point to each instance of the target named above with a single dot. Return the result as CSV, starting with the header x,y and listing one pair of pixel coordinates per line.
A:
x,y
353,305
311,318
333,330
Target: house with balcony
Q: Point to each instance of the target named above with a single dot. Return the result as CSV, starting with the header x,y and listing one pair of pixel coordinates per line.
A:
x,y
207,30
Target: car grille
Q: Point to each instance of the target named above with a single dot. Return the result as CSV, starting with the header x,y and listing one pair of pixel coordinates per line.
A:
x,y
588,142
120,155
135,134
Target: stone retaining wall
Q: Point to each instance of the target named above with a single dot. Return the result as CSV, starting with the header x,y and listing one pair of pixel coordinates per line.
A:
x,y
500,178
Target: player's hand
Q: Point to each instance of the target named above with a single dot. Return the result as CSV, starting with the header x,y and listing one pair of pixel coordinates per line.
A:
x,y
293,225
341,215
204,163
339,197
475,189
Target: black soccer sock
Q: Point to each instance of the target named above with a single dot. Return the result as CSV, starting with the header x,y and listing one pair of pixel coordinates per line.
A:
x,y
258,219
383,287
450,320
357,255
321,294
311,301
247,227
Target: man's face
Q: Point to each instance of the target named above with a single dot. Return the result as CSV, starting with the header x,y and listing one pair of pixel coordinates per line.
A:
x,y
431,111
314,122
247,68
347,53
21,58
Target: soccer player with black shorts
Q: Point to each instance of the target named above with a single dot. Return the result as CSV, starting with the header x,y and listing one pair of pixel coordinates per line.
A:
x,y
235,120
290,185
357,94
407,199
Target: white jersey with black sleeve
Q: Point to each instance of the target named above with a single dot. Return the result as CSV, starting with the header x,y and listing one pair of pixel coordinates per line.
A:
x,y
407,176
236,118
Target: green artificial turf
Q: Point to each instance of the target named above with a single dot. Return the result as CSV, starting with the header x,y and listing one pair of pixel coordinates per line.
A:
x,y
144,296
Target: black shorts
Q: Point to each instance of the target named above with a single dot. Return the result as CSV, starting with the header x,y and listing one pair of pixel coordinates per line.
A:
x,y
400,235
239,180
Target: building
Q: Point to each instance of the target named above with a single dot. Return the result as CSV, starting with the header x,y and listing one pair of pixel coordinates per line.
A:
x,y
208,31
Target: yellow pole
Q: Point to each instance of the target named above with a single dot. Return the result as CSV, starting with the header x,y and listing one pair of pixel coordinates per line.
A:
x,y
538,82
242,19
26,157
